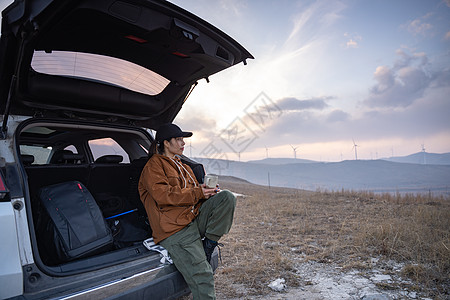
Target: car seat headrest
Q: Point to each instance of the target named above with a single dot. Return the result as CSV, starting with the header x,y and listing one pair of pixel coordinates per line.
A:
x,y
27,159
66,157
109,159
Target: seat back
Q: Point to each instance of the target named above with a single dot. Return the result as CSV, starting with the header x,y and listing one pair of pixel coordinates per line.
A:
x,y
66,157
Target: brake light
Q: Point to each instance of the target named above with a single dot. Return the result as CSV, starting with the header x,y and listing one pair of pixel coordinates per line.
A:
x,y
3,188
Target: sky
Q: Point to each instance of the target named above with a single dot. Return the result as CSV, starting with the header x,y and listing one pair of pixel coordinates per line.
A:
x,y
327,75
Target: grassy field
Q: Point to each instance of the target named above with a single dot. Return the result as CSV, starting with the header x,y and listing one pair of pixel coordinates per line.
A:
x,y
274,227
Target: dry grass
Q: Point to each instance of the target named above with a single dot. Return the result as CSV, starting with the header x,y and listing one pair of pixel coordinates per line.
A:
x,y
275,228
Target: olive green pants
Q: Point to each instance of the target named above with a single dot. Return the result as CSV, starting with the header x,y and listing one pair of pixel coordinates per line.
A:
x,y
186,249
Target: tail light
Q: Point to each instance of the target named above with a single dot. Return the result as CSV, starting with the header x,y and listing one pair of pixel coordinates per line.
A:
x,y
3,189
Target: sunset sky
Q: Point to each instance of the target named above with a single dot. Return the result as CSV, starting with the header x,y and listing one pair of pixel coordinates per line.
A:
x,y
373,72
326,75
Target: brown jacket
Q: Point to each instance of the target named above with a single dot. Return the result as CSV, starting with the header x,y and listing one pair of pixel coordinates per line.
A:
x,y
171,195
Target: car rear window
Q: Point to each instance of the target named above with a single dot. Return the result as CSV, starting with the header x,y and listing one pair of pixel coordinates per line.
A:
x,y
107,146
102,68
40,154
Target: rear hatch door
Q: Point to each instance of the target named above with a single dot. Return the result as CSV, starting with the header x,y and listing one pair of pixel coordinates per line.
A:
x,y
131,61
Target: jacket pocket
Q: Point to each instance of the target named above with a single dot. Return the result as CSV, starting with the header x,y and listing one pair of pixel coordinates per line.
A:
x,y
174,180
173,218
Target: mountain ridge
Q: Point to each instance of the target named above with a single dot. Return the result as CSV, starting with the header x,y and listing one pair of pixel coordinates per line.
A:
x,y
369,175
415,158
423,158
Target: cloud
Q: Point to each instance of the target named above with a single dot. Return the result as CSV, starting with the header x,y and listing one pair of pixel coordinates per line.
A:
x,y
420,59
419,26
402,84
353,40
263,113
409,85
234,6
294,104
337,115
426,118
312,20
447,36
197,123
352,44
385,78
441,79
300,22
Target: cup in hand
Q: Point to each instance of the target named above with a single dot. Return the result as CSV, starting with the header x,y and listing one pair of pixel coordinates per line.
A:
x,y
211,181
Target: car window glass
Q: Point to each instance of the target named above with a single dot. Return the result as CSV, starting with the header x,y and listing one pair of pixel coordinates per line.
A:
x,y
107,146
40,154
101,68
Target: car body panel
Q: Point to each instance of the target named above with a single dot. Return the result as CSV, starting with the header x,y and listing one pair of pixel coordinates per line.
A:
x,y
16,247
11,276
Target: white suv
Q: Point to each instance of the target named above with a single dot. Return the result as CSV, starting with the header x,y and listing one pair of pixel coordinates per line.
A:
x,y
82,82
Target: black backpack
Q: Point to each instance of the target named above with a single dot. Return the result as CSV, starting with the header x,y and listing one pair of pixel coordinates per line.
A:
x,y
75,226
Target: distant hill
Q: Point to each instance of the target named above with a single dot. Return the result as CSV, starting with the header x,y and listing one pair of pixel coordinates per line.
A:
x,y
423,158
282,161
369,175
233,179
416,158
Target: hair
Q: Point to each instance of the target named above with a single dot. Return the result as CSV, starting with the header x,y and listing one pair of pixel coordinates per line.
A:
x,y
156,148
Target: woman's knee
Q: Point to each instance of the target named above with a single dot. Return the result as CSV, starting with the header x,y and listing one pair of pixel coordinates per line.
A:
x,y
229,198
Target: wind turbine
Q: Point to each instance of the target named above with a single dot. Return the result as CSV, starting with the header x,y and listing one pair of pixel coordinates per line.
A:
x,y
190,148
423,151
356,152
267,152
295,151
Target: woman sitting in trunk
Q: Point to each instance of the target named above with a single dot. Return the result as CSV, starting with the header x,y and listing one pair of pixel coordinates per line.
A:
x,y
186,218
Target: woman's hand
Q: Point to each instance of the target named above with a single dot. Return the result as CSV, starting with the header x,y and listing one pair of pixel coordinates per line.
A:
x,y
209,192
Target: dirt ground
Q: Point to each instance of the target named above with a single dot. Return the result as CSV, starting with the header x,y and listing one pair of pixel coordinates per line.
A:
x,y
340,245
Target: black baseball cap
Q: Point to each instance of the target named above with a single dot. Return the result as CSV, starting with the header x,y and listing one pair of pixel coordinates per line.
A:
x,y
169,130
